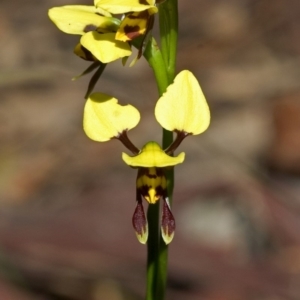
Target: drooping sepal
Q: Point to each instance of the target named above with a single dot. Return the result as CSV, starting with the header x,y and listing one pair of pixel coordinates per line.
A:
x,y
140,224
167,222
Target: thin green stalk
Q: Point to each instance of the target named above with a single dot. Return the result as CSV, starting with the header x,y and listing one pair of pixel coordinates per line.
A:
x,y
153,250
163,64
156,62
168,25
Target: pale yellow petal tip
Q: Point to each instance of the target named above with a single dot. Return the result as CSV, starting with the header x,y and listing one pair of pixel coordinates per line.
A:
x,y
105,119
183,106
166,237
152,155
143,238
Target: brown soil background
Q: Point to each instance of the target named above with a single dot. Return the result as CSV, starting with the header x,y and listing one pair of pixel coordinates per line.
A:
x,y
66,202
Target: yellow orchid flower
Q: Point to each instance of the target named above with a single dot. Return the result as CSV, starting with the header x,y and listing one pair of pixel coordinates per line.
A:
x,y
151,184
98,29
182,109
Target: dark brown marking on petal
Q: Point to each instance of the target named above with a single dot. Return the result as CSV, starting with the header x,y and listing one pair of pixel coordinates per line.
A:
x,y
89,28
160,172
141,15
132,32
142,171
144,2
143,190
151,175
87,54
151,178
160,191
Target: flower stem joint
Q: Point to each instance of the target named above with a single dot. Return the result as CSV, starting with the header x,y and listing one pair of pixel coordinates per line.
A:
x,y
182,109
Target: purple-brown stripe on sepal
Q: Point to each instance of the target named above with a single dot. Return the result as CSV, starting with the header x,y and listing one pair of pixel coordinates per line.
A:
x,y
167,222
139,222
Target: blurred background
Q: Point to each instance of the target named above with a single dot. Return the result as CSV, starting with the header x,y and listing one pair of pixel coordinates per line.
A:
x,y
66,202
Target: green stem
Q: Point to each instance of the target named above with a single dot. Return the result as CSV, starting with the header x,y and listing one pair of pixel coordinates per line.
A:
x,y
163,64
154,244
168,27
153,251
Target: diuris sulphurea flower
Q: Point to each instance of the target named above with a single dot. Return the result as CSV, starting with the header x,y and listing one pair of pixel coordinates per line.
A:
x,y
97,32
182,109
104,37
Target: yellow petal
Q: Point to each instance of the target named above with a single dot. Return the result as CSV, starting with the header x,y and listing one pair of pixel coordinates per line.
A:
x,y
104,46
124,6
183,106
105,119
152,155
79,19
133,25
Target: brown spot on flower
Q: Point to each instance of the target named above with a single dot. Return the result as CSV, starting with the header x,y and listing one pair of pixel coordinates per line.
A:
x,y
88,54
89,27
161,191
132,32
84,53
144,2
151,175
140,15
